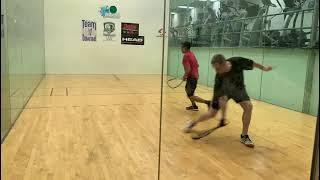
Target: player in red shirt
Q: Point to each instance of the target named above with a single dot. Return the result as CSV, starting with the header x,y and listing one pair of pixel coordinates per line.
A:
x,y
191,75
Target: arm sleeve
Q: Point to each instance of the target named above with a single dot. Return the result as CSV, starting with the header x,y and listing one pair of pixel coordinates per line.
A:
x,y
245,64
186,64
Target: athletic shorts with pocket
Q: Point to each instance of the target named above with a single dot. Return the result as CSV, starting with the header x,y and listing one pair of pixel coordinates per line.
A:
x,y
238,95
191,86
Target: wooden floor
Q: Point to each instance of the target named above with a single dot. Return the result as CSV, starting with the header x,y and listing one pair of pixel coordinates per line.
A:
x,y
106,127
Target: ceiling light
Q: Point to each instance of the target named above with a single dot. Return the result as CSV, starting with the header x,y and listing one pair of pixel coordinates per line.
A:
x,y
185,7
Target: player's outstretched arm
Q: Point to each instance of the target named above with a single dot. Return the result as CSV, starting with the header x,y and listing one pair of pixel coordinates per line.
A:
x,y
263,68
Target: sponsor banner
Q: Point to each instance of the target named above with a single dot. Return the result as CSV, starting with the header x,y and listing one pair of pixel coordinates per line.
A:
x,y
161,33
109,11
89,30
129,30
138,40
109,31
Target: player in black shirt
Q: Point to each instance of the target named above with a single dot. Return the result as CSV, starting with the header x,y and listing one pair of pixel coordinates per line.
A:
x,y
229,84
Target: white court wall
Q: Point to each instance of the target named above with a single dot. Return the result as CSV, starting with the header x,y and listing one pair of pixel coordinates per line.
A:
x,y
66,53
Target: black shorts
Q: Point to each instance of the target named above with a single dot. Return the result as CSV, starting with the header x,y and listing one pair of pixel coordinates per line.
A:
x,y
191,86
238,95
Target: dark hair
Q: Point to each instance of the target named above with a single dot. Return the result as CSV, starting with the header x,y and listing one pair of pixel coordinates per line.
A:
x,y
218,58
186,45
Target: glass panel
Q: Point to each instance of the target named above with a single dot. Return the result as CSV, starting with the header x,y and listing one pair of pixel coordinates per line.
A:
x,y
277,33
22,57
289,77
25,51
5,100
96,111
314,103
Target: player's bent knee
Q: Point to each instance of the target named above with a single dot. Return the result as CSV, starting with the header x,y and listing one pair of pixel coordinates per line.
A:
x,y
222,103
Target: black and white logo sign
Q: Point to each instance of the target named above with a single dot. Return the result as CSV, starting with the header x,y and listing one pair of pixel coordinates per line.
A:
x,y
109,29
89,30
139,40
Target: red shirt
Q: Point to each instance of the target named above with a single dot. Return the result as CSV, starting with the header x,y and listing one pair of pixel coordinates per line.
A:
x,y
190,63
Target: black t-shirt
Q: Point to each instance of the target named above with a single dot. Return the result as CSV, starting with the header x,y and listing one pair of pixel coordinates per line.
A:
x,y
227,82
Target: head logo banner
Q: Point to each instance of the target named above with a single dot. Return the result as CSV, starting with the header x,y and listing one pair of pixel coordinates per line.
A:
x,y
89,30
108,31
130,34
139,40
108,11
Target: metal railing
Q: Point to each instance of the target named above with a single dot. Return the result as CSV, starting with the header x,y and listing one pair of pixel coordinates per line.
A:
x,y
227,33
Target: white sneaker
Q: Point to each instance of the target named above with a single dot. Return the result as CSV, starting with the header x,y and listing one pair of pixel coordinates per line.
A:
x,y
189,127
244,139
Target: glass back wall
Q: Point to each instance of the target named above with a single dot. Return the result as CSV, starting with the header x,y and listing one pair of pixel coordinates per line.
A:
x,y
278,33
272,32
24,54
5,103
